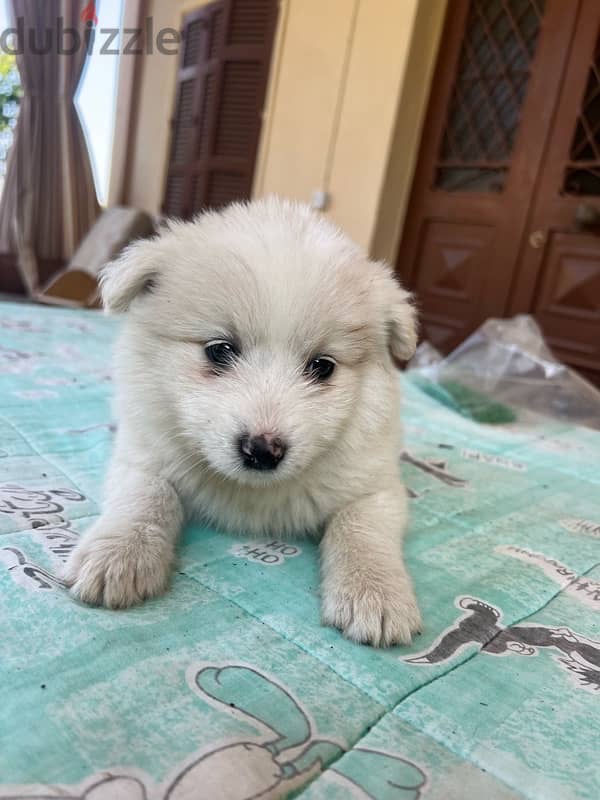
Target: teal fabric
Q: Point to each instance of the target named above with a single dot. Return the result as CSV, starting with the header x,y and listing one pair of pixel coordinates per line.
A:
x,y
228,687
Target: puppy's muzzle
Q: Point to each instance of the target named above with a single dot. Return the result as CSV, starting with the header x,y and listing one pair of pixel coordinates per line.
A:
x,y
263,452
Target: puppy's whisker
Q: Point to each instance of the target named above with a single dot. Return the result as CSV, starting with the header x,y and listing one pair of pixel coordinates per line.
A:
x,y
169,437
187,458
199,462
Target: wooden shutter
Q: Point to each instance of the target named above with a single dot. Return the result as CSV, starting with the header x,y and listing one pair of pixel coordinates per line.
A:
x,y
220,94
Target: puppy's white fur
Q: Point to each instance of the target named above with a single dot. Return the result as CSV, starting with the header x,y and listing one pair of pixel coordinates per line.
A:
x,y
286,286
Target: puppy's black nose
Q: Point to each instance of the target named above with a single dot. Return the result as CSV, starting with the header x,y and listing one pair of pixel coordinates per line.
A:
x,y
262,452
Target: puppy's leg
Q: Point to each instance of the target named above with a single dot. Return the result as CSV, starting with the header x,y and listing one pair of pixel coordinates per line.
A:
x,y
128,553
366,590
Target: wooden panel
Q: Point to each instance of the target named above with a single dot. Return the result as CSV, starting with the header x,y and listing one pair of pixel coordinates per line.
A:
x,y
174,203
196,33
184,123
198,36
216,124
489,116
207,103
222,186
449,278
558,273
239,107
250,22
568,303
448,267
572,285
217,28
443,331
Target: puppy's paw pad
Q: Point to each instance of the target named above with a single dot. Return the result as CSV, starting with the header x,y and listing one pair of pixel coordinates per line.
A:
x,y
119,570
373,615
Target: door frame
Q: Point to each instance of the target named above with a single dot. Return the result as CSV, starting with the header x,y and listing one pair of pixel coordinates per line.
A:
x,y
509,220
527,280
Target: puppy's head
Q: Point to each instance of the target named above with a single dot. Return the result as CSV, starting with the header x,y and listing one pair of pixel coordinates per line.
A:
x,y
259,329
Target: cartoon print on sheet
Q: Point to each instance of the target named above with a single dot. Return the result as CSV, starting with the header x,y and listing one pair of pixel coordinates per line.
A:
x,y
285,754
435,467
480,624
43,512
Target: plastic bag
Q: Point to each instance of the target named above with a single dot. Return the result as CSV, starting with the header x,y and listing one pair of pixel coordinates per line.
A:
x,y
508,361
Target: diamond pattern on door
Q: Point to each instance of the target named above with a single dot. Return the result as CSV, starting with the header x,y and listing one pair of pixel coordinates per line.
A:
x,y
450,261
492,76
457,265
582,175
575,283
568,305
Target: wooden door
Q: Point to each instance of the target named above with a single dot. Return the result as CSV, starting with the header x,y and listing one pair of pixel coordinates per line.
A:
x,y
221,87
558,273
492,105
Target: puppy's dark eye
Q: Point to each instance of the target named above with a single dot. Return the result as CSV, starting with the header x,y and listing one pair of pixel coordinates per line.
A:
x,y
320,368
220,353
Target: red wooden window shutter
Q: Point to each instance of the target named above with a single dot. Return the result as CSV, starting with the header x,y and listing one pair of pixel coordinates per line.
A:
x,y
220,94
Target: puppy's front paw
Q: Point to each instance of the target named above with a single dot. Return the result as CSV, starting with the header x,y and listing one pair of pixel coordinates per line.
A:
x,y
119,568
379,613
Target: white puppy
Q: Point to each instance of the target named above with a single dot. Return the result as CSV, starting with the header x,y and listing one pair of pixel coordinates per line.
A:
x,y
256,389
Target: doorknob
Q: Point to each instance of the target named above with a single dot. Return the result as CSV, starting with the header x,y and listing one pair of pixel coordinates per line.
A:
x,y
537,239
586,216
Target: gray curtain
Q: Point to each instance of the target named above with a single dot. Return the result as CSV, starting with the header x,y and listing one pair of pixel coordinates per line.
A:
x,y
49,199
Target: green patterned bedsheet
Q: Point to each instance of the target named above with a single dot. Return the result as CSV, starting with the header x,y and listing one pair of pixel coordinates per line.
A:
x,y
228,687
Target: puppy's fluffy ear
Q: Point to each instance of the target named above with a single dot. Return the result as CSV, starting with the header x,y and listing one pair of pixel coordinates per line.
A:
x,y
132,273
402,323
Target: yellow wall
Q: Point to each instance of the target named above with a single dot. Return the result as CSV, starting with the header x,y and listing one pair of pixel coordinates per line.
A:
x,y
347,92
303,104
